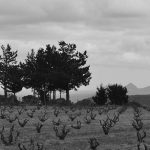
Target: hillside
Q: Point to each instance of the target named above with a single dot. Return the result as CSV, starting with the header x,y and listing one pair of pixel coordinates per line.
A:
x,y
142,99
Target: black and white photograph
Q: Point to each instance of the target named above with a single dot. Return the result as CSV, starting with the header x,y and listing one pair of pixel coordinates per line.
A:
x,y
74,74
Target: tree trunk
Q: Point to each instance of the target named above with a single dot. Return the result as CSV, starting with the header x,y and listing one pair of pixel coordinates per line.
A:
x,y
5,91
44,95
67,95
50,96
60,94
14,98
54,95
34,93
5,84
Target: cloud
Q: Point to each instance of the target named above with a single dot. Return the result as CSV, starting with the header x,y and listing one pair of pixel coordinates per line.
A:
x,y
118,14
80,11
127,9
39,11
131,57
104,14
19,12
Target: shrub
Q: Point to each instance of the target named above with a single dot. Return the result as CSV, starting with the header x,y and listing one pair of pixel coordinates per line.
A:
x,y
101,96
2,99
38,126
87,119
117,94
43,117
60,102
23,122
30,100
61,132
31,146
11,100
138,126
88,102
93,143
72,117
11,137
77,126
108,123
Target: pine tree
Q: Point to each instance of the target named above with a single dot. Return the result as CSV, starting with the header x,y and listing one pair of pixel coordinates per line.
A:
x,y
7,59
54,69
117,94
73,65
101,96
14,79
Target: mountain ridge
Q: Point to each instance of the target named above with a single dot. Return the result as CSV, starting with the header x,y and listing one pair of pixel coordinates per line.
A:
x,y
134,90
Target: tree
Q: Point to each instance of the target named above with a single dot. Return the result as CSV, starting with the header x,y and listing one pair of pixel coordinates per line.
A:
x,y
14,79
7,59
101,96
56,77
39,71
35,72
28,68
30,100
72,63
117,94
54,69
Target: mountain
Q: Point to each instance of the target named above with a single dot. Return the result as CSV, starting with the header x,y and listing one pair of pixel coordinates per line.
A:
x,y
134,90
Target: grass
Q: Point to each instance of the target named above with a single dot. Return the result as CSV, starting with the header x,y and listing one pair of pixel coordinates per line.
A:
x,y
121,137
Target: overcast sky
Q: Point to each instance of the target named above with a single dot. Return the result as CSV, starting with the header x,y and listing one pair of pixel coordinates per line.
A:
x,y
115,33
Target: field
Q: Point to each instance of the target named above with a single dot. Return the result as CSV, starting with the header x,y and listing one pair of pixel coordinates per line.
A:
x,y
121,136
142,99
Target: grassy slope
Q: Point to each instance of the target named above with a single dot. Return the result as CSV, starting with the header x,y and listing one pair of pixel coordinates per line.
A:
x,y
142,99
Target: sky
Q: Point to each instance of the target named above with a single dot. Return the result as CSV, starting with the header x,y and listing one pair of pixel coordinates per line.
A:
x,y
115,33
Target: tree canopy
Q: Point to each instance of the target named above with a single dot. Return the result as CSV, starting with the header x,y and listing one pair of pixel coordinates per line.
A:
x,y
101,95
116,94
54,68
7,60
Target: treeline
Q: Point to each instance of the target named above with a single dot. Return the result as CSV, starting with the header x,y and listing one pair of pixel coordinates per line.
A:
x,y
48,70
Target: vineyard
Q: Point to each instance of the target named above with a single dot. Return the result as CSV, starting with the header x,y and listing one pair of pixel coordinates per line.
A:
x,y
68,128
